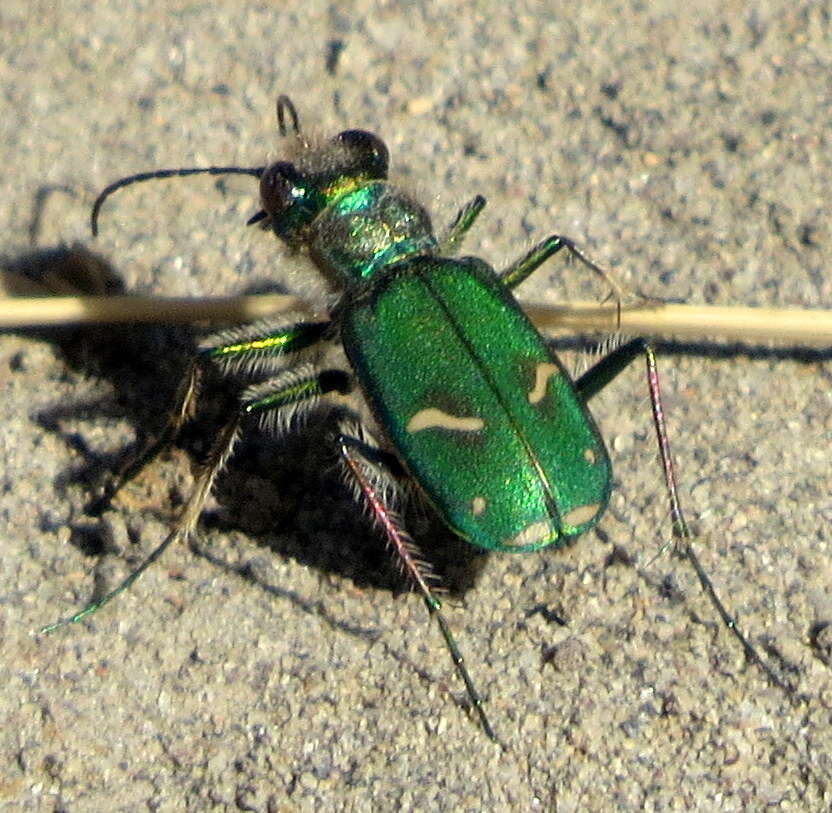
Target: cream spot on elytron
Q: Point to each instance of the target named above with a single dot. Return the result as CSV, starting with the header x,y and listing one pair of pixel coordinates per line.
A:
x,y
477,506
532,534
581,514
590,456
433,417
543,373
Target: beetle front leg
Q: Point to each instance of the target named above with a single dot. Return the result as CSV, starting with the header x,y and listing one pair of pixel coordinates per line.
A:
x,y
368,471
220,452
463,221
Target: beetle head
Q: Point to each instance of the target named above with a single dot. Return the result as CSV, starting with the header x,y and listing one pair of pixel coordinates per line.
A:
x,y
293,193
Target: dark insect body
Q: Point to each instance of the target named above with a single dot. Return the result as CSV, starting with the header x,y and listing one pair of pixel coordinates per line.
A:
x,y
468,400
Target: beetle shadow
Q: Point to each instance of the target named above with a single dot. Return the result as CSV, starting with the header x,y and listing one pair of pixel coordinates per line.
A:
x,y
285,493
290,493
715,350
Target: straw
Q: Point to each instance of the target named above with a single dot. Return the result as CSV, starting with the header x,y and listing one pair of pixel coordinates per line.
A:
x,y
796,326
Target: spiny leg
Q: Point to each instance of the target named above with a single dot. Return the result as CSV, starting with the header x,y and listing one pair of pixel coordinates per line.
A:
x,y
463,221
259,348
283,399
220,452
592,382
374,483
248,350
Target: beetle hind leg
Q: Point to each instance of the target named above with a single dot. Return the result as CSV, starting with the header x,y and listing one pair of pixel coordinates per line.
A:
x,y
589,385
376,487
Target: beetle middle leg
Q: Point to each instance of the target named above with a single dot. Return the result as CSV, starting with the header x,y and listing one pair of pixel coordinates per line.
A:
x,y
372,477
523,268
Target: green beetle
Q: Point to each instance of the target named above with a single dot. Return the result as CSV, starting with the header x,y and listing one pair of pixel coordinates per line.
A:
x,y
468,400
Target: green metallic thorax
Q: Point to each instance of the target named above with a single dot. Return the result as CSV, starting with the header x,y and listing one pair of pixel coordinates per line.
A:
x,y
368,229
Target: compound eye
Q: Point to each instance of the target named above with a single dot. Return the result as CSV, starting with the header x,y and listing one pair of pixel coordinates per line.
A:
x,y
368,153
277,188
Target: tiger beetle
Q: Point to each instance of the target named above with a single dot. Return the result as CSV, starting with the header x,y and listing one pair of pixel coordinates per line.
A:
x,y
467,400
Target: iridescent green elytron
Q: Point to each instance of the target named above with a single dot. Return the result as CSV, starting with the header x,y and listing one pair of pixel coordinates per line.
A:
x,y
468,399
486,419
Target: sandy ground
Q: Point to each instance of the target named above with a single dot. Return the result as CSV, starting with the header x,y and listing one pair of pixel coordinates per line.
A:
x,y
283,669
